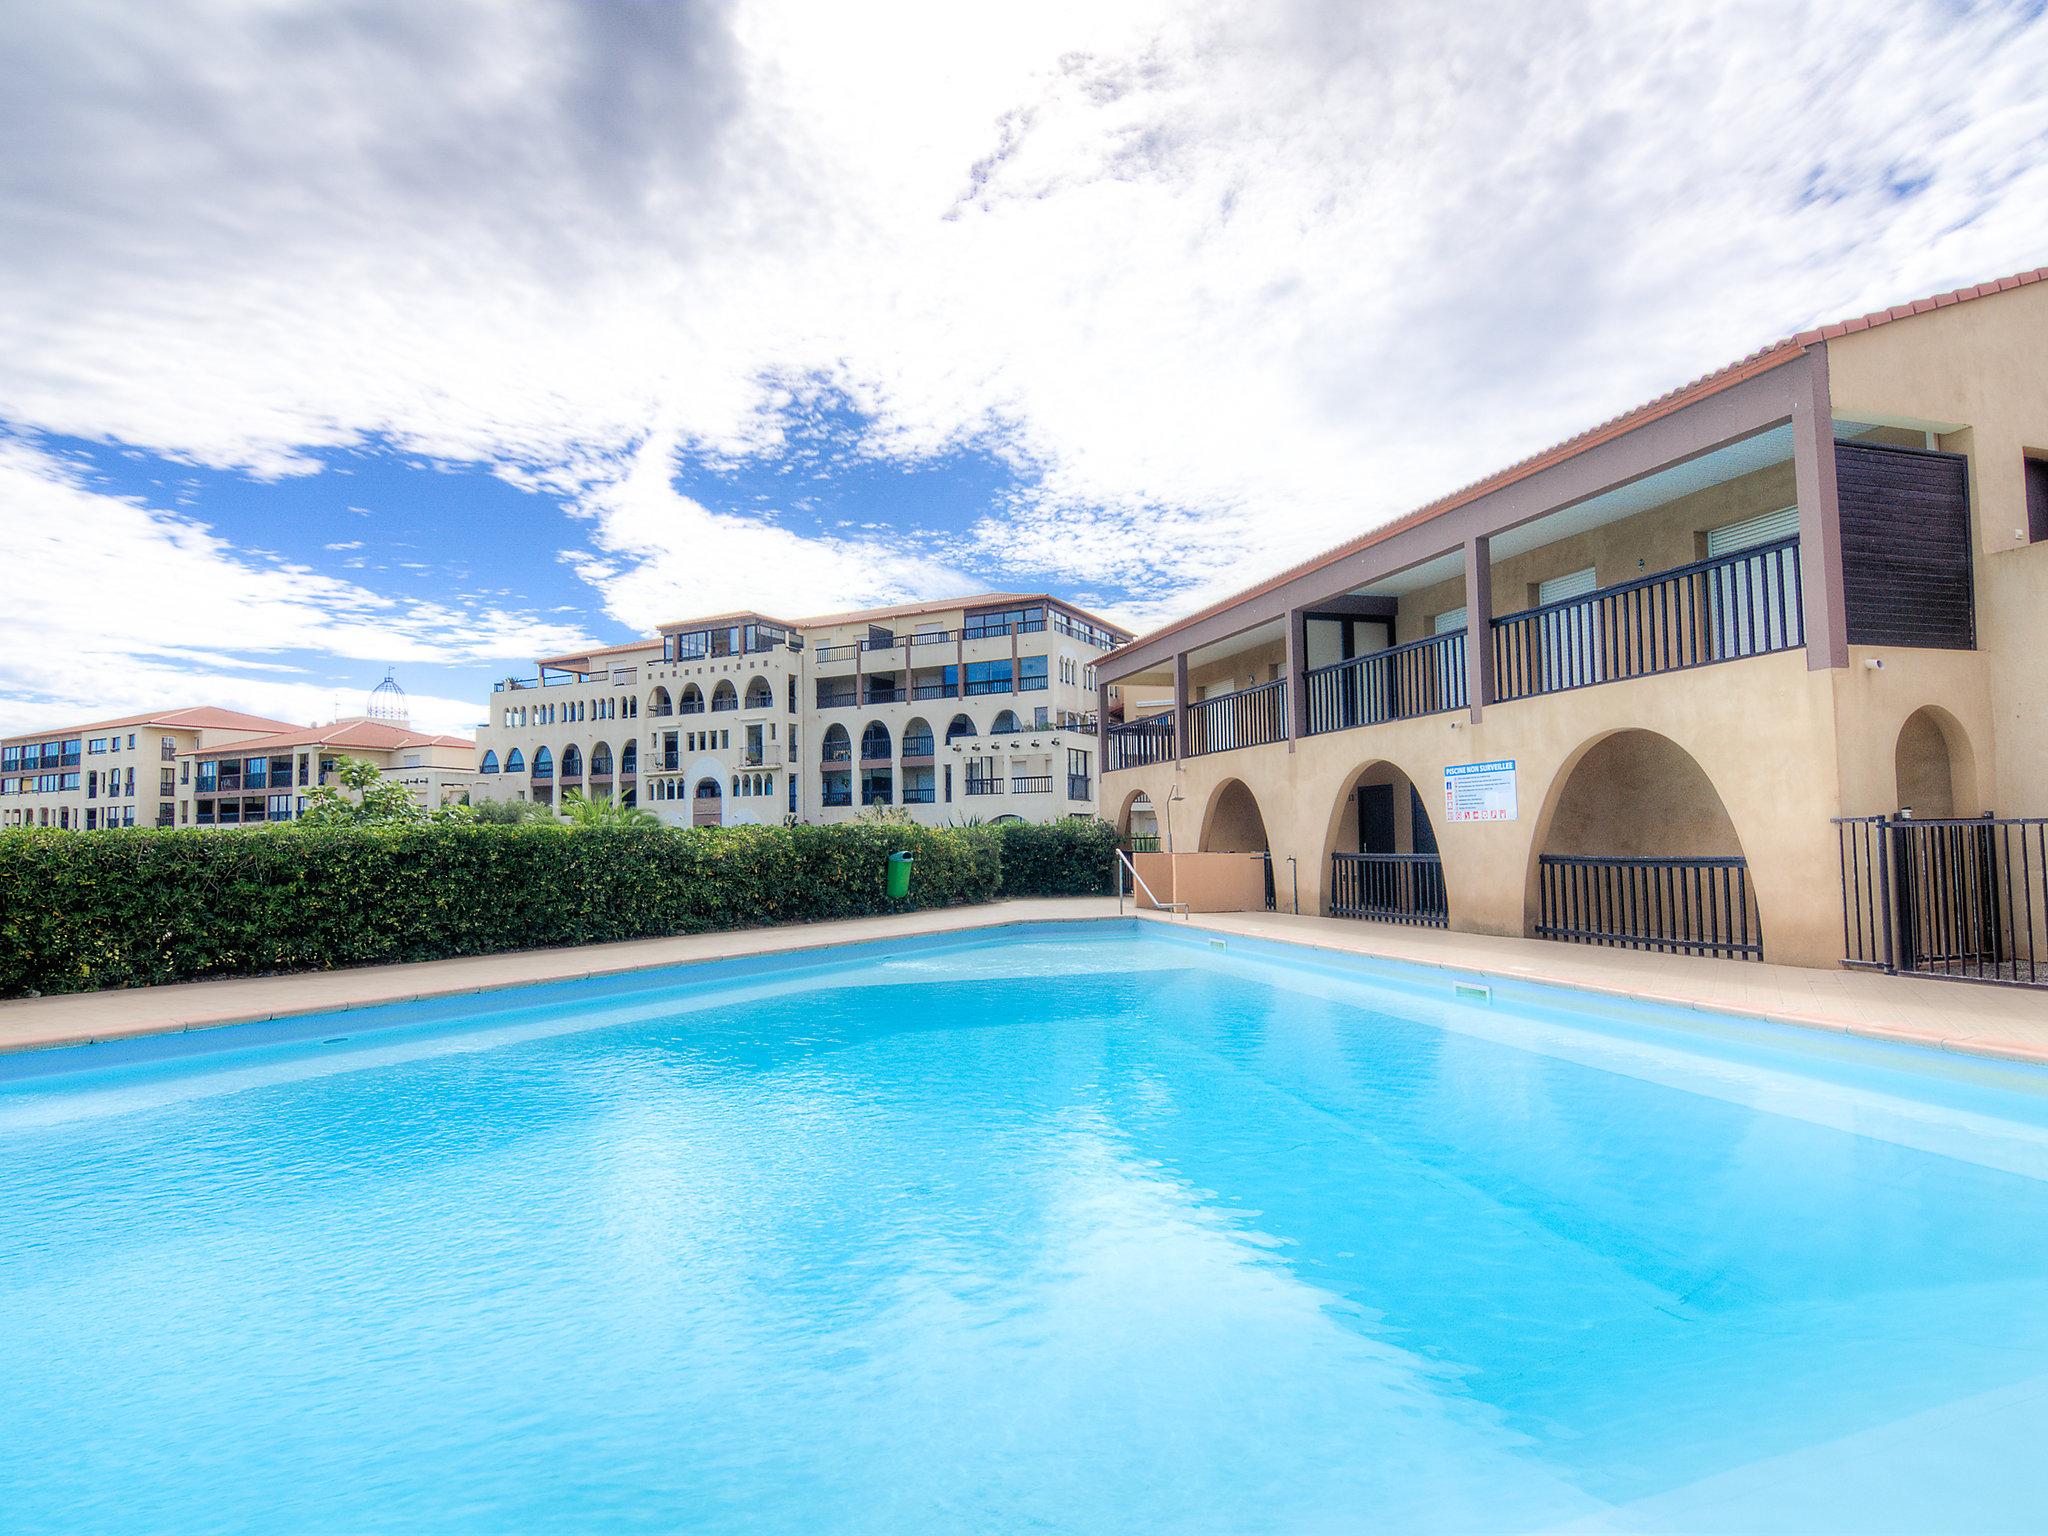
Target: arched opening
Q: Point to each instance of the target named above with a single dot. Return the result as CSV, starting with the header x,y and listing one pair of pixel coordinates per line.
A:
x,y
920,777
961,729
874,743
1383,863
1233,823
1636,850
629,760
601,760
1006,722
1137,823
489,764
760,695
1935,770
692,701
658,702
725,696
707,803
543,763
838,745
515,761
572,761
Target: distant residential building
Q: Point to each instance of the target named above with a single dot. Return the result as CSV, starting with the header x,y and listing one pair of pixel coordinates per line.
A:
x,y
969,708
268,778
113,773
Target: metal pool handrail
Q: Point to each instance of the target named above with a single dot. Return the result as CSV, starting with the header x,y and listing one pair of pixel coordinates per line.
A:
x,y
1124,863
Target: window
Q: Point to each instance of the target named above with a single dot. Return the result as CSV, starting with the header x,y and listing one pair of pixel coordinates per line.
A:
x,y
97,745
489,764
2037,499
874,743
1030,674
988,677
515,761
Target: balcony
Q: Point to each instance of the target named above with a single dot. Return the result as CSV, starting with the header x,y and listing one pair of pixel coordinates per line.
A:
x,y
1031,784
1140,742
1250,717
884,695
1423,677
1743,604
984,786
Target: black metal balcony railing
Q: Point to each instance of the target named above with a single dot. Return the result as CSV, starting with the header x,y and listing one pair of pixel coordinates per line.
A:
x,y
1077,786
1746,604
1031,784
1966,899
984,786
1138,742
918,746
931,691
884,695
841,700
1390,888
922,794
1423,677
1690,906
988,686
1250,717
838,796
835,754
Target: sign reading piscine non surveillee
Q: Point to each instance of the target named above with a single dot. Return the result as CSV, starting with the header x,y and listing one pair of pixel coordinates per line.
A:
x,y
1480,791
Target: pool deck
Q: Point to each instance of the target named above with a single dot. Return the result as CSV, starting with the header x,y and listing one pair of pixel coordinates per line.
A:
x,y
2005,1022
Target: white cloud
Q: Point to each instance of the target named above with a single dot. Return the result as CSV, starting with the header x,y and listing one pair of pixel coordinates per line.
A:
x,y
1229,282
151,609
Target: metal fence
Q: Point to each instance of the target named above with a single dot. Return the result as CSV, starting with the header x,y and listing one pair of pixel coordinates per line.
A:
x,y
1687,906
1141,742
1390,888
1965,898
1423,677
1743,604
1250,717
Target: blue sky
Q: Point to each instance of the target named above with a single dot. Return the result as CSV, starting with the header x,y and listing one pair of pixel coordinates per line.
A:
x,y
440,337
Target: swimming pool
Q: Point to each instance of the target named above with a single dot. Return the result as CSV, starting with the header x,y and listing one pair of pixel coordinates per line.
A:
x,y
1092,1227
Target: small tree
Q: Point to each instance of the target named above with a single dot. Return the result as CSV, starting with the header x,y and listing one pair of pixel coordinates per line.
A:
x,y
579,810
508,813
360,797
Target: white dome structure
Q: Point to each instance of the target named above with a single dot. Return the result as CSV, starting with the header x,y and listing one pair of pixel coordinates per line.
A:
x,y
388,702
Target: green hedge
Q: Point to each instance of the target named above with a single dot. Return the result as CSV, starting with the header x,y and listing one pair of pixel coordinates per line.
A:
x,y
1064,858
85,910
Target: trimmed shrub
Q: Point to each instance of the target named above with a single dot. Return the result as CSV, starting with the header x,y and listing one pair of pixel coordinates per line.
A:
x,y
85,910
1076,857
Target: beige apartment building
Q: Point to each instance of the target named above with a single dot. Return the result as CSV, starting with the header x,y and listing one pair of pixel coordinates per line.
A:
x,y
113,773
267,778
1748,671
978,708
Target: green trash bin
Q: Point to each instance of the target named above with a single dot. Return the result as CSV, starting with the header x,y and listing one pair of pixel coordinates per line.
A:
x,y
899,876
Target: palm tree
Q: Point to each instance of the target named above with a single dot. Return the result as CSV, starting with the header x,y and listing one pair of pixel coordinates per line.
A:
x,y
581,811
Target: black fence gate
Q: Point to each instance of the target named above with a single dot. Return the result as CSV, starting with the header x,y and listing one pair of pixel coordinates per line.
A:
x,y
1958,897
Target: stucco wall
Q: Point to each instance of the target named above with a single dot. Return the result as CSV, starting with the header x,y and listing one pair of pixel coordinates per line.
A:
x,y
1983,367
1761,730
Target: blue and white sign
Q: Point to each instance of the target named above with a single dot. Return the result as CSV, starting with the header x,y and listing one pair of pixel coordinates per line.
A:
x,y
1480,791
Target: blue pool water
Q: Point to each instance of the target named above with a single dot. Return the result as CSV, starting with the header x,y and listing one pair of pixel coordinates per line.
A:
x,y
1067,1229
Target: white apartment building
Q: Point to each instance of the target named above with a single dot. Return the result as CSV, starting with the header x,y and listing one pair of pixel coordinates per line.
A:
x,y
113,773
268,778
976,708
